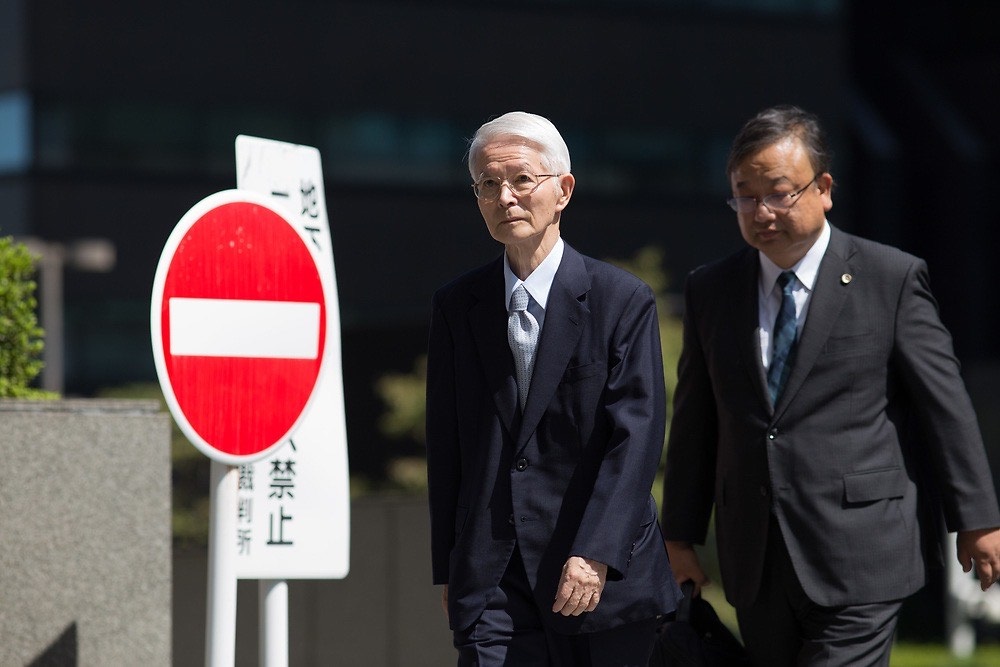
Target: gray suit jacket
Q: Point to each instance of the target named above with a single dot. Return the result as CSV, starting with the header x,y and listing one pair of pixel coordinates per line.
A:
x,y
874,424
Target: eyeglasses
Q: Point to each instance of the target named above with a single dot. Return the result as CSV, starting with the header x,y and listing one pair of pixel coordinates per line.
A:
x,y
488,188
779,202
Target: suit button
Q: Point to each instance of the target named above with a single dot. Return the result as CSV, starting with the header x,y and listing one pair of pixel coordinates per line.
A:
x,y
772,434
521,465
510,519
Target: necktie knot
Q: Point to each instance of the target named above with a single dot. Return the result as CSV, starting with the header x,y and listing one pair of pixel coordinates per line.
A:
x,y
519,299
785,279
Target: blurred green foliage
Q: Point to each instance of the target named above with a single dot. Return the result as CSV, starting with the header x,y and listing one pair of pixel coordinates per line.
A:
x,y
21,338
936,655
403,395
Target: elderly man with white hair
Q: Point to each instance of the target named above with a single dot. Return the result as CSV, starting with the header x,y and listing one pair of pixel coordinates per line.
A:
x,y
545,423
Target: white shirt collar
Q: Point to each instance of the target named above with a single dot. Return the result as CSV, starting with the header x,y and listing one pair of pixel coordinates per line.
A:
x,y
805,269
539,282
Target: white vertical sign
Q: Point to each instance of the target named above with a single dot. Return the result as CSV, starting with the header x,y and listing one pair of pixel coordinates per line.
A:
x,y
292,510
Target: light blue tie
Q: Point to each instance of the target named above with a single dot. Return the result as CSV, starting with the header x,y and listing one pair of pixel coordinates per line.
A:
x,y
784,332
522,334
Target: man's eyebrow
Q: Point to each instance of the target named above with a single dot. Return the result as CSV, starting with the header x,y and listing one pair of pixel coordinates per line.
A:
x,y
774,181
512,170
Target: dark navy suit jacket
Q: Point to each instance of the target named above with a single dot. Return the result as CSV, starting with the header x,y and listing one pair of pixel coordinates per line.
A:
x,y
569,476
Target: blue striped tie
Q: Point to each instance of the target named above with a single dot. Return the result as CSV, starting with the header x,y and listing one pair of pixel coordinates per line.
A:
x,y
784,332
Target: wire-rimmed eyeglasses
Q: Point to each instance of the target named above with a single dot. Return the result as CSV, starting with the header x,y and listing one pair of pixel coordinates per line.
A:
x,y
488,188
779,202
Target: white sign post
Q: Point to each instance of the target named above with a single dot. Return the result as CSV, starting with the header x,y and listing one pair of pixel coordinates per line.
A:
x,y
246,339
308,535
301,496
965,603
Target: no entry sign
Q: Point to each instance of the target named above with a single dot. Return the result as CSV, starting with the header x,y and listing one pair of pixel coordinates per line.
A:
x,y
238,321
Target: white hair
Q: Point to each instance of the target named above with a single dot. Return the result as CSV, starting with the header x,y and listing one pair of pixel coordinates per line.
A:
x,y
528,127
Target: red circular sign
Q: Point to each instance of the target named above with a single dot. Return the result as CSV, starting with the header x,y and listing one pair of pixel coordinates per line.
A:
x,y
242,325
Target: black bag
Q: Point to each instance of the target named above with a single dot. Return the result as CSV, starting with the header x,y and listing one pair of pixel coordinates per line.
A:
x,y
694,636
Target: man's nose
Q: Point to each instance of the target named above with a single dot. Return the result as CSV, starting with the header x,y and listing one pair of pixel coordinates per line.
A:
x,y
762,213
506,196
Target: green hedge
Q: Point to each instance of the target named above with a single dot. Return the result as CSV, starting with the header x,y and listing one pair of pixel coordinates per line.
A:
x,y
21,338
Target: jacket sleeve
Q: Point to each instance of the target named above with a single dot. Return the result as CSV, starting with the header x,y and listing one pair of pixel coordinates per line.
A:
x,y
689,482
635,405
949,431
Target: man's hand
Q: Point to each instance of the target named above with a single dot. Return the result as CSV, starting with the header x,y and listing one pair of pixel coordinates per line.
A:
x,y
580,586
980,549
684,562
444,600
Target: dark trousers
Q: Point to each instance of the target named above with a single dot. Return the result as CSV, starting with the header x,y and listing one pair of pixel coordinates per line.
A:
x,y
511,632
784,628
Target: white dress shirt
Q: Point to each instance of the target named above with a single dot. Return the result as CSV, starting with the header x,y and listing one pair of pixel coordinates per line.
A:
x,y
538,283
769,294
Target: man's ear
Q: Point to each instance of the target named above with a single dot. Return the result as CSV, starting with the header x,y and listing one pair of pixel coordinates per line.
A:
x,y
566,183
825,184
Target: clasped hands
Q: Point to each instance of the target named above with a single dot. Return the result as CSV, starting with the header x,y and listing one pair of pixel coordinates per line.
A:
x,y
580,586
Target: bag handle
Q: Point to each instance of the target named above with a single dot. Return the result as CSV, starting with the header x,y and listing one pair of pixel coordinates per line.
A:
x,y
684,607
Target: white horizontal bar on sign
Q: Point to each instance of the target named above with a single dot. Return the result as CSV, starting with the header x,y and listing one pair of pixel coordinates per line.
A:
x,y
243,328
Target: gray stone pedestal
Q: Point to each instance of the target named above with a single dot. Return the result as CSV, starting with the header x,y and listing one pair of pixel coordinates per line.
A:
x,y
85,549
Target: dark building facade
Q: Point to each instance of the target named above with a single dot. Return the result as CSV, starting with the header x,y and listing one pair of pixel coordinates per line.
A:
x,y
115,119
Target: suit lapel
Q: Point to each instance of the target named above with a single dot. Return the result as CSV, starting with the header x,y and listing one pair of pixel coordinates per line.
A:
x,y
488,322
747,310
565,316
825,305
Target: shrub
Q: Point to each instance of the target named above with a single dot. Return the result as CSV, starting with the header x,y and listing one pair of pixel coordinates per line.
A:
x,y
21,338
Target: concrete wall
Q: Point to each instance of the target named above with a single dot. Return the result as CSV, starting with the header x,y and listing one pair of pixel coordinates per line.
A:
x,y
85,557
385,613
84,533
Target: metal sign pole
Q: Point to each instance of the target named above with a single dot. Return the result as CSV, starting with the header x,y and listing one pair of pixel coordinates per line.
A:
x,y
273,623
220,631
